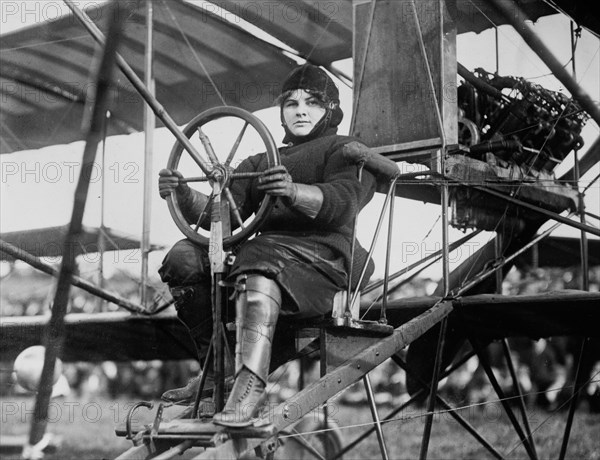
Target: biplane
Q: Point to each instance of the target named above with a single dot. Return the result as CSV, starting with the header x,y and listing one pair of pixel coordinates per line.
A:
x,y
486,150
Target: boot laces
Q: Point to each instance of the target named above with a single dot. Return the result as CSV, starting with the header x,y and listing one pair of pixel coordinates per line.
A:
x,y
248,389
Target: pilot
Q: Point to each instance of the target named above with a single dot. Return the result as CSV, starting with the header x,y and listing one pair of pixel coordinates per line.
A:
x,y
301,257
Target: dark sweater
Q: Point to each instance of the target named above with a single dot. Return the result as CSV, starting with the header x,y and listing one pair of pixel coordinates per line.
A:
x,y
318,162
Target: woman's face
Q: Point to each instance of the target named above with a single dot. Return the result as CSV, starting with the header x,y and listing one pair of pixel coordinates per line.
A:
x,y
301,112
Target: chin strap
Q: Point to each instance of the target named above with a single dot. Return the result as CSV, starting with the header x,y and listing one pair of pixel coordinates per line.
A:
x,y
308,199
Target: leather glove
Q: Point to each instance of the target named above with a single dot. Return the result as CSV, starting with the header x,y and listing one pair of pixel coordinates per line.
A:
x,y
168,180
276,181
307,199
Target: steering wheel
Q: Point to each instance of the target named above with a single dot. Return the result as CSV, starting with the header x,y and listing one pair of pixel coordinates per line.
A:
x,y
219,173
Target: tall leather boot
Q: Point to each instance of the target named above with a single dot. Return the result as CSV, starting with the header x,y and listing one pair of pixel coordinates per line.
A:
x,y
193,309
257,312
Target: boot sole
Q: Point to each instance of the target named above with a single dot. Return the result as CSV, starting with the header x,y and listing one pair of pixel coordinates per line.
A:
x,y
206,394
253,418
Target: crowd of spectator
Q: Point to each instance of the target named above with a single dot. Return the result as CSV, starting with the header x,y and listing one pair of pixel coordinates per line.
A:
x,y
544,366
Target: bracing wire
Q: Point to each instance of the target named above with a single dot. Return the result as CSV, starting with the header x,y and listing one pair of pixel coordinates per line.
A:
x,y
557,410
411,417
196,57
319,38
49,42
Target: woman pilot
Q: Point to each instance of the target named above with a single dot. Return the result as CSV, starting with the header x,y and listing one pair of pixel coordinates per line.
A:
x,y
300,258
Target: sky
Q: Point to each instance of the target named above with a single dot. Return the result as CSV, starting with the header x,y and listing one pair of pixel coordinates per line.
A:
x,y
37,186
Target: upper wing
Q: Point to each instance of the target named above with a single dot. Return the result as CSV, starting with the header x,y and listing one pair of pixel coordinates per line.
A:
x,y
202,58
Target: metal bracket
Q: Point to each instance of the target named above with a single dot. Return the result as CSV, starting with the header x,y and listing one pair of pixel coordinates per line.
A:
x,y
136,439
155,426
267,449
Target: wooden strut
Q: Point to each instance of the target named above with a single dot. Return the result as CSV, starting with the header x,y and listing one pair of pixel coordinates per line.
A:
x,y
77,281
55,329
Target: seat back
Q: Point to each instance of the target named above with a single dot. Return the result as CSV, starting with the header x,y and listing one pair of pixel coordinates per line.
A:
x,y
386,173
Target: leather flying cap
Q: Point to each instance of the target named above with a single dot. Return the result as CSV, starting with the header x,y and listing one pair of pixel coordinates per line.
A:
x,y
311,78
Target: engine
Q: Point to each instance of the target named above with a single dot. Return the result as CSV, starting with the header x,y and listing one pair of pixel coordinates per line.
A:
x,y
512,135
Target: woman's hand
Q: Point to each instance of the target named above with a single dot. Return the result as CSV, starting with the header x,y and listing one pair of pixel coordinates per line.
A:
x,y
276,181
307,199
168,180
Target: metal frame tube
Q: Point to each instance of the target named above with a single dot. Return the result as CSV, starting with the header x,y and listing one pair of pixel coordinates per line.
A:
x,y
498,389
435,254
498,243
545,212
516,201
517,387
349,300
383,316
433,388
386,203
392,414
585,280
577,386
517,18
444,210
375,415
461,420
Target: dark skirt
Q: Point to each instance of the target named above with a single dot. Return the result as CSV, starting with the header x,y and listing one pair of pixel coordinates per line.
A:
x,y
308,273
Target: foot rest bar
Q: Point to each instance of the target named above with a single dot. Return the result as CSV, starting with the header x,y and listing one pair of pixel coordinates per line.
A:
x,y
362,326
199,430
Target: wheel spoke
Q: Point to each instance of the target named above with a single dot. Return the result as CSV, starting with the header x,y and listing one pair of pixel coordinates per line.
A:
x,y
204,212
185,180
233,207
245,175
207,146
236,145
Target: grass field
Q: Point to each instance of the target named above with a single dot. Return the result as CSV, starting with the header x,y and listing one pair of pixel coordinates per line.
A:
x,y
87,431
